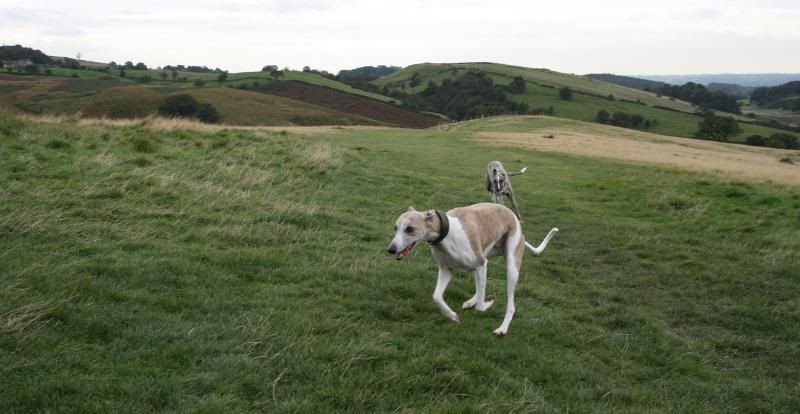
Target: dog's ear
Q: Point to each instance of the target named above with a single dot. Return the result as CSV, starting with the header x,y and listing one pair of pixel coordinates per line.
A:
x,y
411,209
429,215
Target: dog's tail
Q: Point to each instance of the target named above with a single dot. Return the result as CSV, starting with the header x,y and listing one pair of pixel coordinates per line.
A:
x,y
522,171
538,250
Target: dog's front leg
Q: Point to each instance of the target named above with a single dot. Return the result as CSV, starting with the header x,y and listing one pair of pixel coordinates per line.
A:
x,y
480,302
438,294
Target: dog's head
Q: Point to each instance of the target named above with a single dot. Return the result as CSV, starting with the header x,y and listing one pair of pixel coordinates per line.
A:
x,y
410,228
498,179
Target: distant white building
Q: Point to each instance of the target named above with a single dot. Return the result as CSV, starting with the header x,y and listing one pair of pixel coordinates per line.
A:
x,y
21,63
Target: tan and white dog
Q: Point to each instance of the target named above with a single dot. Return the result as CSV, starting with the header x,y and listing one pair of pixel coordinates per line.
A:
x,y
461,241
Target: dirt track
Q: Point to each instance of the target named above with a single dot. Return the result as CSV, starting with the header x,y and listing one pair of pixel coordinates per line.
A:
x,y
729,160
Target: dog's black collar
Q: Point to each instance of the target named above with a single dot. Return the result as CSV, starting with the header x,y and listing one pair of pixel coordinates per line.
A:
x,y
443,229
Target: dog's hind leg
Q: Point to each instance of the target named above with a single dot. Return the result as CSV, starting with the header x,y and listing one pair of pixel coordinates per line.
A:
x,y
513,276
479,300
514,252
438,295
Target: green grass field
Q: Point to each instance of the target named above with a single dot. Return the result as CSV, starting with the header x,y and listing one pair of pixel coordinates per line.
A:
x,y
245,271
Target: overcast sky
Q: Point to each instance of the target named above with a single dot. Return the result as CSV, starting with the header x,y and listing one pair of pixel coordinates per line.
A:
x,y
625,37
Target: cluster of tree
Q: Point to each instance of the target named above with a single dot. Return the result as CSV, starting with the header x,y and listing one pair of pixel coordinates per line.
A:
x,y
624,120
630,82
733,89
776,96
130,66
717,128
323,73
183,105
361,77
779,140
273,71
190,68
18,52
471,95
365,73
700,95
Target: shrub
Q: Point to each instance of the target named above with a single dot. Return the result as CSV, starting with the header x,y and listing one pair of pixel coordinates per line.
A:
x,y
517,85
782,140
178,105
602,116
199,82
756,140
207,113
75,75
565,93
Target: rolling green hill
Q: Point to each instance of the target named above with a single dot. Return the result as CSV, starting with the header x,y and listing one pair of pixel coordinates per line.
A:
x,y
673,117
540,77
244,270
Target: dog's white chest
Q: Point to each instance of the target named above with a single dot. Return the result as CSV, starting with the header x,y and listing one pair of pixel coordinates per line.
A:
x,y
455,251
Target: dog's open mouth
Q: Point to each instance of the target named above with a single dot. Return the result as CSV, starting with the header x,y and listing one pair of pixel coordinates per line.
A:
x,y
403,253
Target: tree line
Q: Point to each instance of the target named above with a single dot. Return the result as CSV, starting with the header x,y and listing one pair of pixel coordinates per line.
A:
x,y
699,95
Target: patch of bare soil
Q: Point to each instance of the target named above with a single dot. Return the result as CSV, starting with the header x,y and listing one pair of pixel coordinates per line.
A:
x,y
729,160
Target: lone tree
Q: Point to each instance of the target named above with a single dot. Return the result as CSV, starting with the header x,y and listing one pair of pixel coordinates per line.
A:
x,y
565,93
164,75
222,76
517,85
717,128
174,74
276,74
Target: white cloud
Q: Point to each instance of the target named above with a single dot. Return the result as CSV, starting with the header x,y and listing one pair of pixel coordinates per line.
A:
x,y
573,36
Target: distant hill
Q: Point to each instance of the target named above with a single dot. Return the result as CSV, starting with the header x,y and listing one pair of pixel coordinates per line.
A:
x,y
541,93
786,96
750,79
628,81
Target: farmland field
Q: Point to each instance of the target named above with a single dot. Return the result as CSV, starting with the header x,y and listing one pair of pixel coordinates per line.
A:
x,y
212,268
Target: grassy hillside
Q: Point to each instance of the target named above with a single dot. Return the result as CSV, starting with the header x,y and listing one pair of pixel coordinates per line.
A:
x,y
581,84
115,98
542,91
210,79
244,271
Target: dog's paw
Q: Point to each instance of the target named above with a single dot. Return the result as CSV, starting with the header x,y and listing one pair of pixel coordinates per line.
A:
x,y
470,303
500,332
454,317
487,303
